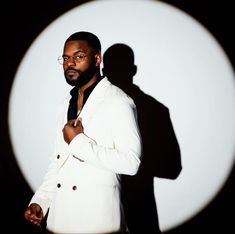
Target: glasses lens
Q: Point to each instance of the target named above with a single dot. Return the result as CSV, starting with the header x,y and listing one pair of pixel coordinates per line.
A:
x,y
60,60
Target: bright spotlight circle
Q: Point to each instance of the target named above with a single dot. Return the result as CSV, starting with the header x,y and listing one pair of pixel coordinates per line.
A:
x,y
179,64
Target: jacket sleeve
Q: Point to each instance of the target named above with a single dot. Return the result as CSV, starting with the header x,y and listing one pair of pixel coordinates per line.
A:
x,y
125,155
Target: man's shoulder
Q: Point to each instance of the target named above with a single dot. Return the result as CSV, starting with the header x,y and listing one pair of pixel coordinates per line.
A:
x,y
116,96
115,92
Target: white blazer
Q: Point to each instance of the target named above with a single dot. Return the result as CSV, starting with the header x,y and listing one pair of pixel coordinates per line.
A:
x,y
81,188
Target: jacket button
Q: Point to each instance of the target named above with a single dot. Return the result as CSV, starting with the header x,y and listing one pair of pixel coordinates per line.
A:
x,y
74,187
58,185
58,156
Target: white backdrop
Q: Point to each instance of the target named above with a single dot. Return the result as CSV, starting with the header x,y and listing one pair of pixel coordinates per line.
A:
x,y
179,63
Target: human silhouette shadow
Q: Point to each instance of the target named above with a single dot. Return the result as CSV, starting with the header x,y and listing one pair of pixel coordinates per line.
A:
x,y
161,152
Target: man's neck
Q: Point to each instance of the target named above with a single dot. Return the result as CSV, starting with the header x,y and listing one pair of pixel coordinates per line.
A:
x,y
89,83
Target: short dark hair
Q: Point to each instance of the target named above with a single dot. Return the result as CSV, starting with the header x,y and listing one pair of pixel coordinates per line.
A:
x,y
89,37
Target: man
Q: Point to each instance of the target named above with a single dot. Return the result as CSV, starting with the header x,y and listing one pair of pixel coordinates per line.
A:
x,y
98,140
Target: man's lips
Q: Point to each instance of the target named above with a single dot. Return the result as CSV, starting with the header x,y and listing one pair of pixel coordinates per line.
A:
x,y
71,72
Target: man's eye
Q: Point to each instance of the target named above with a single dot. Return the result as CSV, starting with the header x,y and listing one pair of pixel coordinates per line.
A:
x,y
65,58
80,56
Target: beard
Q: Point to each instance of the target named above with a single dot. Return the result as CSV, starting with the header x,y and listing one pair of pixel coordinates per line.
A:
x,y
82,77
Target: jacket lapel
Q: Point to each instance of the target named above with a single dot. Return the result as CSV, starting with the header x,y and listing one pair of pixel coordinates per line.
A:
x,y
92,104
94,101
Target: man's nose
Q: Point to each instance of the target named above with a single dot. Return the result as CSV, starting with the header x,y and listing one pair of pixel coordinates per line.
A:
x,y
71,61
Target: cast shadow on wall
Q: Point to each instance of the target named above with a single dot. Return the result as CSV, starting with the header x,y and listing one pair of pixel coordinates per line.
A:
x,y
161,152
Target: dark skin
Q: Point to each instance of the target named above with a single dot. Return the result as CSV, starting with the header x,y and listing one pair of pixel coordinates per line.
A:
x,y
34,214
89,63
70,49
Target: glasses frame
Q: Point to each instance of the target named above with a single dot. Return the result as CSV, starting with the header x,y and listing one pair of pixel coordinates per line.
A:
x,y
77,58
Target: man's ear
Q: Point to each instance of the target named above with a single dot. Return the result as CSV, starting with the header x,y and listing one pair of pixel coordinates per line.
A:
x,y
98,59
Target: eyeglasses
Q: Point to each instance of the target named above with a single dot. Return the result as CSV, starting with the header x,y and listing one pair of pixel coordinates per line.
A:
x,y
77,58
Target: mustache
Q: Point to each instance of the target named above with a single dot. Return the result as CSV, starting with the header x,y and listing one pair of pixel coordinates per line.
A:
x,y
72,69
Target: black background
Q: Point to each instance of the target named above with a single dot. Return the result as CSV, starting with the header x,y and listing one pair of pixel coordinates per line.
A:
x,y
21,23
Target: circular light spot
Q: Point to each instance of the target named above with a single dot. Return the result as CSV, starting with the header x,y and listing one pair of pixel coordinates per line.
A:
x,y
179,64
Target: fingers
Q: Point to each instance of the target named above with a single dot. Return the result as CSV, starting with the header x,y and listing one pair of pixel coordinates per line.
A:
x,y
78,122
34,215
75,122
32,218
71,129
